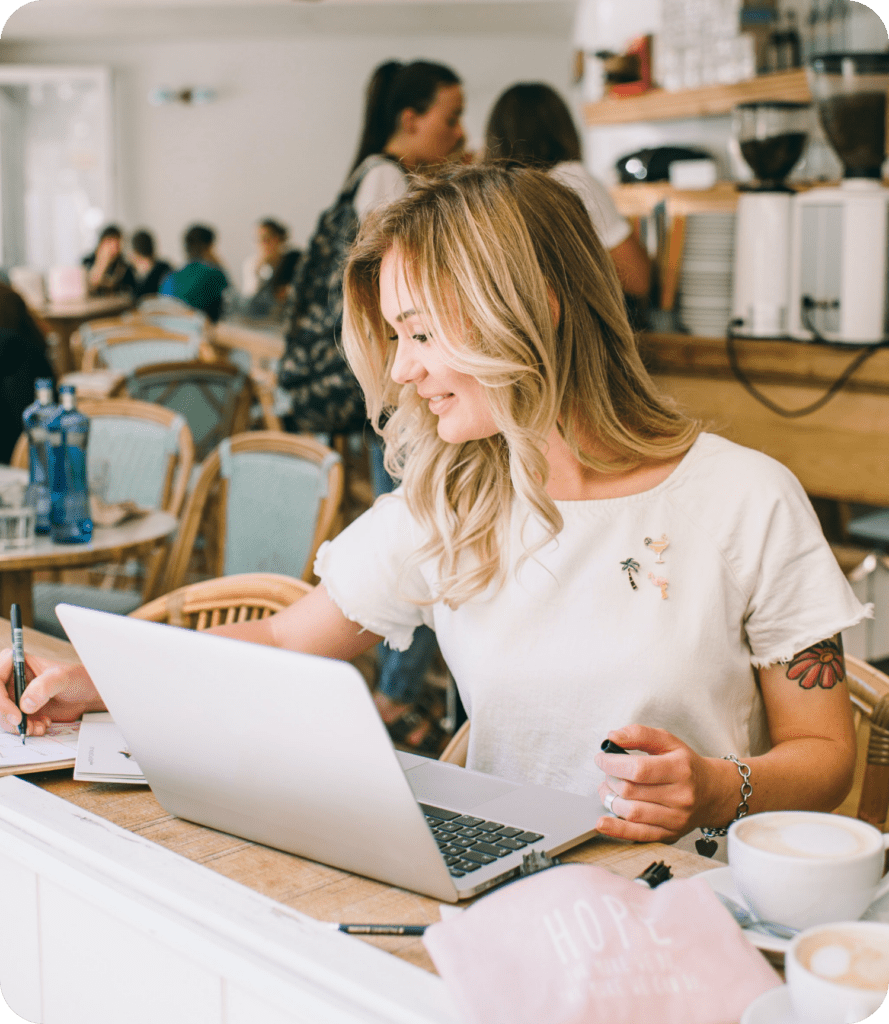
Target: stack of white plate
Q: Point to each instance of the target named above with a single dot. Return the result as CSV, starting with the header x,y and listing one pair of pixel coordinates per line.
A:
x,y
705,279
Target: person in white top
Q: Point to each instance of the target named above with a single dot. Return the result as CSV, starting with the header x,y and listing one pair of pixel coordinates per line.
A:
x,y
531,124
413,117
594,565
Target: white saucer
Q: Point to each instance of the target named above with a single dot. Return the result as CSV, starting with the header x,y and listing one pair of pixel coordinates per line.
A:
x,y
720,880
772,1007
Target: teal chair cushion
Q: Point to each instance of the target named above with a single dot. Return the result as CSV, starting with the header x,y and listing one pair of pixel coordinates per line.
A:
x,y
127,458
126,356
272,510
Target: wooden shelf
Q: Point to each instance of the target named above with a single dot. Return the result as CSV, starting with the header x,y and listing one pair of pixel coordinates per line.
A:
x,y
708,101
639,199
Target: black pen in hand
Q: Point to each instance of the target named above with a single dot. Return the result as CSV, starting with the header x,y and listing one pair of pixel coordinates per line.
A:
x,y
18,663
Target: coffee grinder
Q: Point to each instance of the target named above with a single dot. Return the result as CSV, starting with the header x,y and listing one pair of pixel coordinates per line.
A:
x,y
840,236
771,136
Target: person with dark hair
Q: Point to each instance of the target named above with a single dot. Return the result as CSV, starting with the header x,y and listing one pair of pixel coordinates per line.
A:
x,y
412,122
202,280
267,275
531,124
23,359
107,270
148,270
412,116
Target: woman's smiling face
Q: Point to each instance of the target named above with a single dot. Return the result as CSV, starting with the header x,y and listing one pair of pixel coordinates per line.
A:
x,y
457,399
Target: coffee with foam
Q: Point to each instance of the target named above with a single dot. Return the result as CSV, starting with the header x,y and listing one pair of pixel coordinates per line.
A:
x,y
847,957
815,837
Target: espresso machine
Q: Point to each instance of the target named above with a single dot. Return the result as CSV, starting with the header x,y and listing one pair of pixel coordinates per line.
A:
x,y
771,136
840,236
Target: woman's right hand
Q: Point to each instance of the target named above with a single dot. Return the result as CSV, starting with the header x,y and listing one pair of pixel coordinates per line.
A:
x,y
56,692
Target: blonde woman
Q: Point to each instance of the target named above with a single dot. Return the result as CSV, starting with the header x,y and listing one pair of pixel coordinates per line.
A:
x,y
593,565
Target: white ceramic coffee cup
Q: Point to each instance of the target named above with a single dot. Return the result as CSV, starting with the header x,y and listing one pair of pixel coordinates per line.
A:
x,y
803,868
838,973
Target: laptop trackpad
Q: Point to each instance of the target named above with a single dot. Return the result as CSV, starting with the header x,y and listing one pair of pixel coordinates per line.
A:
x,y
445,785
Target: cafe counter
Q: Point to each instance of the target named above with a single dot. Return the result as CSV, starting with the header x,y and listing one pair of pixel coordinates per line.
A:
x,y
838,450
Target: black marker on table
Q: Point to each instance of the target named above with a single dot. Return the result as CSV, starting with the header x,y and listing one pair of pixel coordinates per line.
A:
x,y
382,929
18,663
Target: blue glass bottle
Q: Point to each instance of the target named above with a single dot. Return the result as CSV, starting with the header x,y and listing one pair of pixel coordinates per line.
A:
x,y
35,420
69,514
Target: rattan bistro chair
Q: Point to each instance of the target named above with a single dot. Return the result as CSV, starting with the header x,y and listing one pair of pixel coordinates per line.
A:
x,y
138,345
213,398
241,598
869,692
137,452
273,500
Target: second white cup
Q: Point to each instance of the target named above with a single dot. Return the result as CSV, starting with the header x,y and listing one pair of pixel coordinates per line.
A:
x,y
838,973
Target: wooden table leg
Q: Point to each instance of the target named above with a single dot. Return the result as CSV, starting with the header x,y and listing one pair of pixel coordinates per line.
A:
x,y
16,588
63,330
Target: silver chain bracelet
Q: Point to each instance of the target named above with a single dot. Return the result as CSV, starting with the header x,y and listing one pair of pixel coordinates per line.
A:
x,y
706,846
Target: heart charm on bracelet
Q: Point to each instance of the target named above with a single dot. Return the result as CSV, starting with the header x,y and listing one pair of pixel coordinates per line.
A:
x,y
706,847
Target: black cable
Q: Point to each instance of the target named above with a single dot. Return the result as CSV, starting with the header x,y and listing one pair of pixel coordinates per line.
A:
x,y
866,352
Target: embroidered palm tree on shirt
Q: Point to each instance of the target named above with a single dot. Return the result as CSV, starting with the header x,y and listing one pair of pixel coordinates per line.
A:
x,y
629,566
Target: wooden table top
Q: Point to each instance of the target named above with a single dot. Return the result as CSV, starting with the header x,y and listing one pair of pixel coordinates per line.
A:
x,y
322,892
85,308
325,893
106,542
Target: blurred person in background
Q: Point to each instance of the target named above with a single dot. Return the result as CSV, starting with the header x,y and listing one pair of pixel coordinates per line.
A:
x,y
266,276
23,359
107,272
148,270
531,124
201,282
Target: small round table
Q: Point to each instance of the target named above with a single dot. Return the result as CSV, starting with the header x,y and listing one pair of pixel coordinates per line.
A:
x,y
18,566
64,318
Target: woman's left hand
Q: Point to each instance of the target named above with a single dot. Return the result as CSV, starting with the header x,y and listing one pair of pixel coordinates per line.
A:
x,y
661,794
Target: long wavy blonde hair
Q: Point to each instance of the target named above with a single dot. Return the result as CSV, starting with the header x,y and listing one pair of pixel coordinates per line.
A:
x,y
516,289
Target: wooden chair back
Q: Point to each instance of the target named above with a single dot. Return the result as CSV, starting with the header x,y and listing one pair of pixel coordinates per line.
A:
x,y
869,692
177,464
240,598
457,748
137,345
293,480
178,460
213,398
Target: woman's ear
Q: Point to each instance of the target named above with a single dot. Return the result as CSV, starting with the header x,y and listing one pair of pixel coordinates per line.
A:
x,y
407,120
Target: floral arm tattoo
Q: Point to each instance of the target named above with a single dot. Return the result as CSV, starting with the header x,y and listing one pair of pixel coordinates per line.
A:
x,y
821,665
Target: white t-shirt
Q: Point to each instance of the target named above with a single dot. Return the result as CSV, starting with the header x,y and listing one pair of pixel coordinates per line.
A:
x,y
569,649
610,226
382,183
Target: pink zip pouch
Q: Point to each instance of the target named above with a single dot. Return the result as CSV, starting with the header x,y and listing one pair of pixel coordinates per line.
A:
x,y
576,944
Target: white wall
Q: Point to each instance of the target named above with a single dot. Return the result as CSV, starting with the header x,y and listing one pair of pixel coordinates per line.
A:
x,y
290,84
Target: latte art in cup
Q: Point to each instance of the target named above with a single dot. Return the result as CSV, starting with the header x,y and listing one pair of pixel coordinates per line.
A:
x,y
847,958
805,868
811,836
838,973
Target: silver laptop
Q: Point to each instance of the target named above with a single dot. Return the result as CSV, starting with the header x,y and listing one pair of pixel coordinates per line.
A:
x,y
288,750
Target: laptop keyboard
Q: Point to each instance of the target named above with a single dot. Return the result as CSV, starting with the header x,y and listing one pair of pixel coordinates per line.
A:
x,y
468,843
